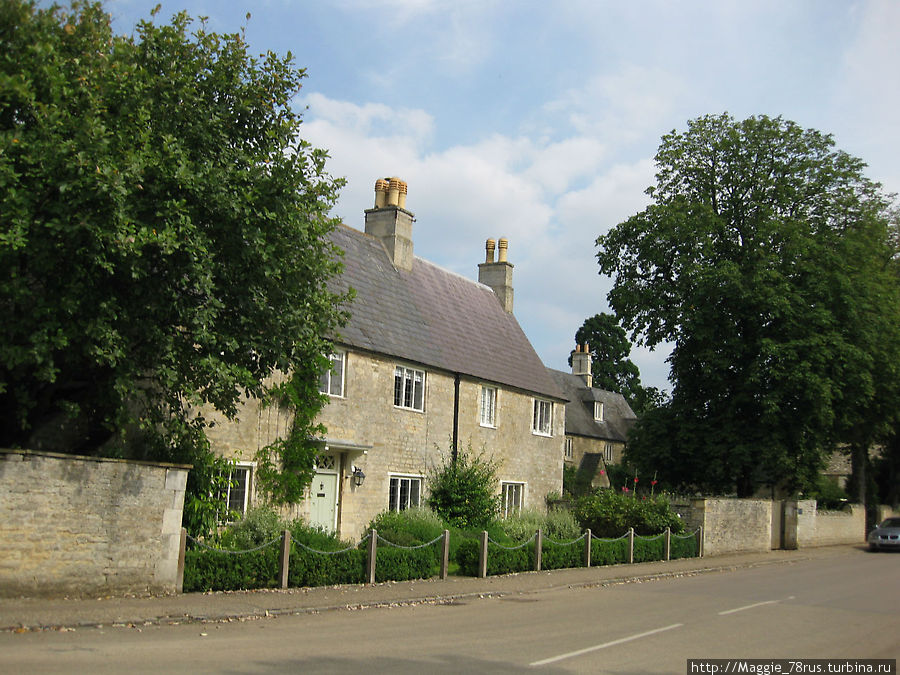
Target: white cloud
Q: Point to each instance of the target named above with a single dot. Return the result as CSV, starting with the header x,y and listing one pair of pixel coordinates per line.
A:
x,y
610,198
551,200
622,105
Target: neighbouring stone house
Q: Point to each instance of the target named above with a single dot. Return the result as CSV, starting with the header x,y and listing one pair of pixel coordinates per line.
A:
x,y
597,421
428,360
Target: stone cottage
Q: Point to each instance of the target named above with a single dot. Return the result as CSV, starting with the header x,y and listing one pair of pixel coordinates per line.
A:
x,y
428,361
597,421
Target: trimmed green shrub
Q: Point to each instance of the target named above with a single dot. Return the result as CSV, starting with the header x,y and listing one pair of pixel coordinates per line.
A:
x,y
609,551
308,568
211,570
683,546
559,556
610,514
464,491
399,564
500,560
650,548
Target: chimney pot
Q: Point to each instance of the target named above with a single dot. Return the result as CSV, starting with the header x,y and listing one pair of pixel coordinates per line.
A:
x,y
502,245
401,197
489,250
381,187
393,195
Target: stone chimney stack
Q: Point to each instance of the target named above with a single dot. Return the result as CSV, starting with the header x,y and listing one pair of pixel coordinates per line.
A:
x,y
498,275
581,364
391,222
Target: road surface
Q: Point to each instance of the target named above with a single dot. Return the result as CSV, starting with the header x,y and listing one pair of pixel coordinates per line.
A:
x,y
837,607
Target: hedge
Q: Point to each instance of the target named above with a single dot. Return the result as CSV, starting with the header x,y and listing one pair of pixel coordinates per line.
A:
x,y
209,569
683,547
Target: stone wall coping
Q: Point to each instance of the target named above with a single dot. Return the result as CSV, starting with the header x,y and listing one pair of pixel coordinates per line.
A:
x,y
86,458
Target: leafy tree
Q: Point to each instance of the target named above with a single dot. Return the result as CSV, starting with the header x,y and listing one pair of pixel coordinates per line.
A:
x,y
163,236
464,490
764,259
611,368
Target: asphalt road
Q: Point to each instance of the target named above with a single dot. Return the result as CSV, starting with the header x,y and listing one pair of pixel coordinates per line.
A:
x,y
837,607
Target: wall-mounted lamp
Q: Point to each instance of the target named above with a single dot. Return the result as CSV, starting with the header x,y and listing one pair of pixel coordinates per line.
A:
x,y
358,476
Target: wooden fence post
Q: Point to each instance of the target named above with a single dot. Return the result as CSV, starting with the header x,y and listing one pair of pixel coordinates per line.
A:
x,y
482,557
630,544
179,573
668,543
445,554
373,552
538,549
587,548
284,560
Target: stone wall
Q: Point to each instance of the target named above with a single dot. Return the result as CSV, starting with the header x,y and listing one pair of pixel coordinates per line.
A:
x,y
828,528
733,525
82,526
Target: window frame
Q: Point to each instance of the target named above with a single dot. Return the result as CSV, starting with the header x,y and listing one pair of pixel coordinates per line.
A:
x,y
491,422
540,426
248,469
412,479
598,411
337,356
405,388
568,452
608,453
512,497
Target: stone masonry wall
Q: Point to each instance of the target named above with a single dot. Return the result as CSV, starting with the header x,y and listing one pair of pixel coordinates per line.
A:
x,y
732,525
831,527
80,526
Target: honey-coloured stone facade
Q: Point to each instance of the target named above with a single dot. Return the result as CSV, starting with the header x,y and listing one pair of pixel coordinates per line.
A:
x,y
366,430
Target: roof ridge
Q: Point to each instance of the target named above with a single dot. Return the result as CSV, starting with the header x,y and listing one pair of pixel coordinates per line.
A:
x,y
417,257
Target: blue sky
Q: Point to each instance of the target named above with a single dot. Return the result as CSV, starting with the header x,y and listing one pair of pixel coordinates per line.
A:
x,y
538,121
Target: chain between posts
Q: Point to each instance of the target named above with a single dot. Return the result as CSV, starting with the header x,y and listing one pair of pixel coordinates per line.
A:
x,y
512,548
410,548
227,552
565,543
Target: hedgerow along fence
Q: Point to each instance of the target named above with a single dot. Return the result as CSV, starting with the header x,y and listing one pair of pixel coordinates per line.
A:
x,y
288,563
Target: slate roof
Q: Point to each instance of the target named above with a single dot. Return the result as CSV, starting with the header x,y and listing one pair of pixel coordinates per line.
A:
x,y
433,317
618,415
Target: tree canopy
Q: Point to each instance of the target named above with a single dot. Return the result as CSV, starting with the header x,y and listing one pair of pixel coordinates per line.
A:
x,y
764,259
163,232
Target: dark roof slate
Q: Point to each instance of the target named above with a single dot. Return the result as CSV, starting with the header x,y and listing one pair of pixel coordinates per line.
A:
x,y
618,415
433,317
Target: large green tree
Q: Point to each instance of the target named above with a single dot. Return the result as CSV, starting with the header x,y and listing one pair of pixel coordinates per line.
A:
x,y
763,259
163,235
